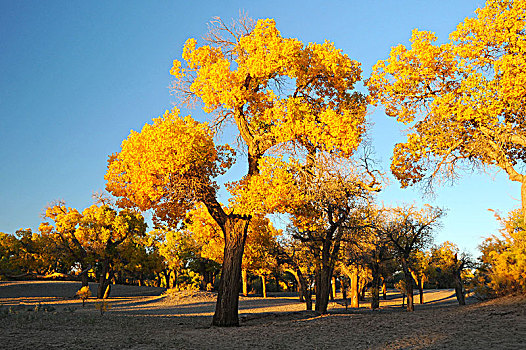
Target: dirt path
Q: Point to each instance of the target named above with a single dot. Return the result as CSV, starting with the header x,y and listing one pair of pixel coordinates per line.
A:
x,y
139,321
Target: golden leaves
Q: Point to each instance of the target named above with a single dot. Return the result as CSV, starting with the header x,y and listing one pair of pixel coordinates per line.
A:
x,y
451,94
172,159
286,92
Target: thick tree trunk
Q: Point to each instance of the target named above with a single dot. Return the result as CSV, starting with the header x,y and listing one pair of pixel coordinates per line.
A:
x,y
226,313
355,300
245,281
264,286
323,278
408,286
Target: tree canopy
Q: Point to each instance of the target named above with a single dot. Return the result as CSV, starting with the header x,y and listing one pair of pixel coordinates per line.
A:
x,y
464,100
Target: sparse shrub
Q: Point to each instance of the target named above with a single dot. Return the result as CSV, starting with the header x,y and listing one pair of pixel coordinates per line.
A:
x,y
102,306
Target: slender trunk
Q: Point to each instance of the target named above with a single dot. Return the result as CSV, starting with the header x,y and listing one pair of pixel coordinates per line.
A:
x,y
384,288
375,288
305,291
308,299
421,288
300,287
344,292
226,312
408,286
264,286
333,288
245,281
363,290
300,284
355,300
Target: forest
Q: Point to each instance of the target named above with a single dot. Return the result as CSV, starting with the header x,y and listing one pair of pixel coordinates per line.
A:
x,y
302,131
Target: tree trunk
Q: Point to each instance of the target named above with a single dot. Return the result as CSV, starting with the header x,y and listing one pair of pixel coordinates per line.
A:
x,y
344,292
459,291
375,288
355,300
226,312
245,281
264,286
166,274
384,289
333,288
104,281
363,289
84,277
323,278
299,283
408,286
421,288
420,284
305,291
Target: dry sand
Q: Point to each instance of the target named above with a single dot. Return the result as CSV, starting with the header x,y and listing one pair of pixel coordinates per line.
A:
x,y
143,318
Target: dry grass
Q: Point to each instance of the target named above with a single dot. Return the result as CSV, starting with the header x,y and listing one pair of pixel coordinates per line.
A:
x,y
142,318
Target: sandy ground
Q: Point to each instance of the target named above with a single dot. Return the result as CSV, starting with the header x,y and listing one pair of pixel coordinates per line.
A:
x,y
143,318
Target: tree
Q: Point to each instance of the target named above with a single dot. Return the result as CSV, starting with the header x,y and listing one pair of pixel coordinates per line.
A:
x,y
409,229
93,236
464,100
445,258
420,270
295,259
504,257
278,92
322,196
64,233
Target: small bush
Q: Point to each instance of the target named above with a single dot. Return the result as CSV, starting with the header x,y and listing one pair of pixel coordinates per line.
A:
x,y
84,293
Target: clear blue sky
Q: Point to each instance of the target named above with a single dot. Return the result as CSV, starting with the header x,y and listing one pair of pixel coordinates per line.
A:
x,y
76,77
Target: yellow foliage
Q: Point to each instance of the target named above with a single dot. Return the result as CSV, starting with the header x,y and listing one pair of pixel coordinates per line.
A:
x,y
504,257
463,100
276,90
167,165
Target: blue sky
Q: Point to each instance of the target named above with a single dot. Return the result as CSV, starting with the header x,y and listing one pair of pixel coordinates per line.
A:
x,y
78,76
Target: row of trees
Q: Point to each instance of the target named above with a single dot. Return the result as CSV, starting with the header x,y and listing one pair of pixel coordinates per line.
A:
x,y
106,243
